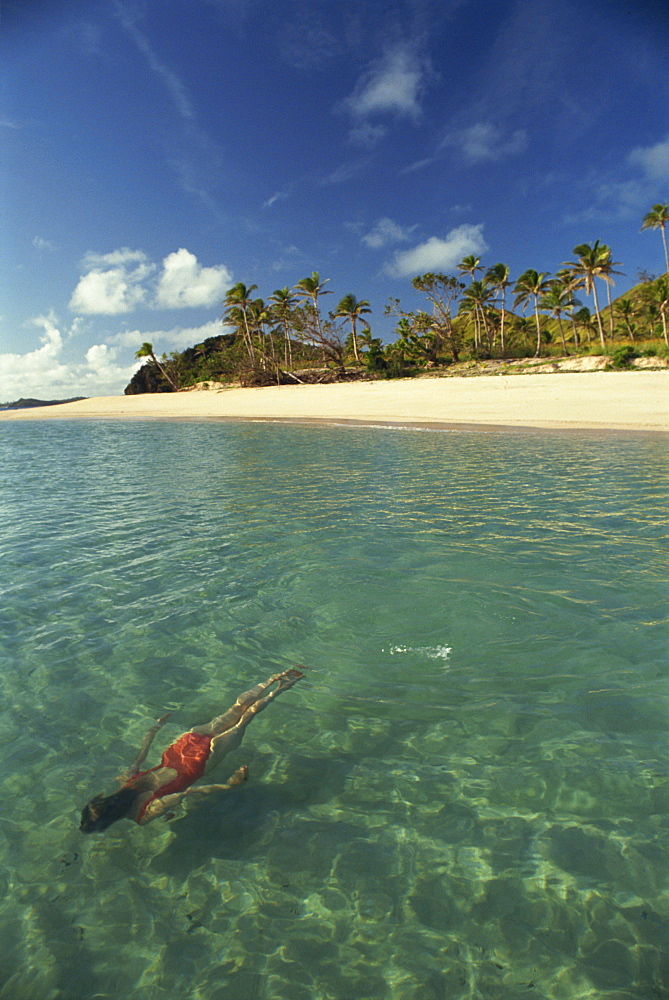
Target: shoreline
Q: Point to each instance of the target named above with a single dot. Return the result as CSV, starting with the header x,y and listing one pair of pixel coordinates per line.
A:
x,y
597,401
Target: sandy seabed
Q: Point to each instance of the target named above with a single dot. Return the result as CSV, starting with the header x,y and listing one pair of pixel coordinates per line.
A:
x,y
634,401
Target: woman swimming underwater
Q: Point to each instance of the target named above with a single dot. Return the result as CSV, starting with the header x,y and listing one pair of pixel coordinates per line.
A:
x,y
145,795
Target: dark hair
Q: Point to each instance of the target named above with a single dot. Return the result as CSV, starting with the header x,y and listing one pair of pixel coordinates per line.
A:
x,y
104,810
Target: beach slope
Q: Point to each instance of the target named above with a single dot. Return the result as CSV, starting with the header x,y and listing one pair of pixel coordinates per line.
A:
x,y
633,400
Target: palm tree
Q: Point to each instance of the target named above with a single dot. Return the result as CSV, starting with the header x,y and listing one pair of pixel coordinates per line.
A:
x,y
657,218
146,351
569,283
238,302
592,262
584,319
556,300
498,277
283,302
607,266
657,298
470,265
627,310
352,309
476,298
532,285
312,288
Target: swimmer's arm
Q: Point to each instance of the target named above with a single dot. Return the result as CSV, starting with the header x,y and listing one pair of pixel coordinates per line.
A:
x,y
159,807
144,749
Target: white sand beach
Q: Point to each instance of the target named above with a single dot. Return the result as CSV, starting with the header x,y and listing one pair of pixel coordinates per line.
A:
x,y
631,400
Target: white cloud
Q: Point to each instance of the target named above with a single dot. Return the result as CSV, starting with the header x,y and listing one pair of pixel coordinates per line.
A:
x,y
185,283
113,283
484,142
44,374
393,85
437,254
384,232
653,160
120,281
178,338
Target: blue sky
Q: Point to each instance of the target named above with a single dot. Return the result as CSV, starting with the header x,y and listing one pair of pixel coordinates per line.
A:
x,y
154,153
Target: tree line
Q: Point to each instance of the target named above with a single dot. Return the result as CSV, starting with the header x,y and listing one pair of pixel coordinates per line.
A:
x,y
472,314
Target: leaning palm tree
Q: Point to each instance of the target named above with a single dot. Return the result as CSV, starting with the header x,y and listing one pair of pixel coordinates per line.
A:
x,y
312,288
657,218
352,309
498,277
592,262
283,302
532,285
146,351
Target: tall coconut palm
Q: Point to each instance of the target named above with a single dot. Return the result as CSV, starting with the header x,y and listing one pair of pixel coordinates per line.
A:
x,y
532,285
353,310
283,302
146,351
312,288
239,302
607,272
592,262
657,218
498,278
476,298
569,283
556,301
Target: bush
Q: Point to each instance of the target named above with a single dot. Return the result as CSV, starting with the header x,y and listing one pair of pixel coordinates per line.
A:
x,y
622,357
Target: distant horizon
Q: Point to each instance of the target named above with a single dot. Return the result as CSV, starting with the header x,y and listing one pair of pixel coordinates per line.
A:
x,y
156,155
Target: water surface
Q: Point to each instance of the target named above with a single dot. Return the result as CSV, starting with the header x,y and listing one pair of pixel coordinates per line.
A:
x,y
467,798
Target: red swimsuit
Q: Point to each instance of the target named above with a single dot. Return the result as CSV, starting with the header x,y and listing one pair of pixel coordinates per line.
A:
x,y
187,757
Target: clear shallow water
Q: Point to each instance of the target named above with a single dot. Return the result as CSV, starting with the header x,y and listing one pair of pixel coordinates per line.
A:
x,y
466,799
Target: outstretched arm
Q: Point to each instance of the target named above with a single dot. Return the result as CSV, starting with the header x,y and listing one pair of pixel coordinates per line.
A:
x,y
163,806
144,749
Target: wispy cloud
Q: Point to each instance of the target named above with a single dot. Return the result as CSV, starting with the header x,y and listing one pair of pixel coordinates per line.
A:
x,y
276,197
437,254
484,142
41,244
393,85
653,160
173,84
385,232
367,135
345,171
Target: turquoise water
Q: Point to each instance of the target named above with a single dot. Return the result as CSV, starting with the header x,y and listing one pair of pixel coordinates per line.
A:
x,y
466,798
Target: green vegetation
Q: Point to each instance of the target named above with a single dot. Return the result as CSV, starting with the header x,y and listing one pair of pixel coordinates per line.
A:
x,y
288,339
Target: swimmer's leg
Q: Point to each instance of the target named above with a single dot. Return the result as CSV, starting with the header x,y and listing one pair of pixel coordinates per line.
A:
x,y
246,701
160,807
224,742
144,749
